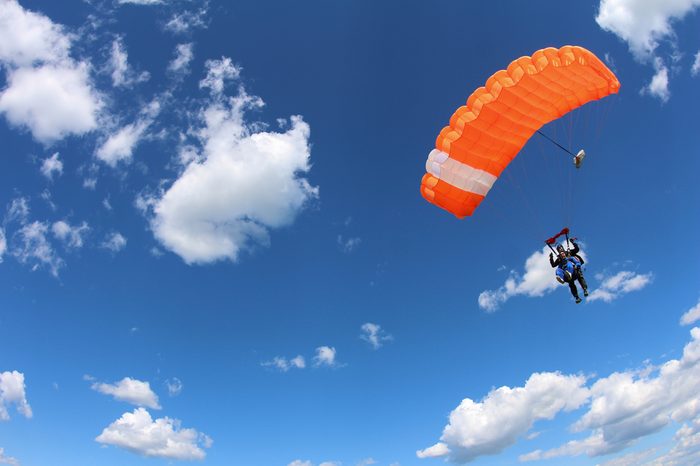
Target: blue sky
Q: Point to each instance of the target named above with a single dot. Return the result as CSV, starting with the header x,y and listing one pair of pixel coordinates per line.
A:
x,y
213,247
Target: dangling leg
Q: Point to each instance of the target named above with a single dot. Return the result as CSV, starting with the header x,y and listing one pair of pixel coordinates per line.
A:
x,y
583,283
574,290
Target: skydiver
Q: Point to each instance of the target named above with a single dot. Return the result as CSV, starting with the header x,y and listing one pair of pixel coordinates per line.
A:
x,y
568,265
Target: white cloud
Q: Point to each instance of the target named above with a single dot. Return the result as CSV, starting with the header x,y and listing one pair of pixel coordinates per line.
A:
x,y
283,364
18,210
72,236
488,427
644,25
612,287
325,356
4,459
30,246
131,391
537,280
52,165
115,242
183,57
28,37
122,74
119,146
309,463
181,23
367,462
47,91
347,245
12,391
693,314
243,184
53,101
161,438
627,406
374,335
3,243
174,386
218,72
658,87
695,69
140,2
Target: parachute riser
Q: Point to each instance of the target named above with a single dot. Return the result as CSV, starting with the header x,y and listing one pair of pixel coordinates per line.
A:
x,y
578,157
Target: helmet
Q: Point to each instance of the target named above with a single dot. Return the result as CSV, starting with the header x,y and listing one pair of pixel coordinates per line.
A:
x,y
560,248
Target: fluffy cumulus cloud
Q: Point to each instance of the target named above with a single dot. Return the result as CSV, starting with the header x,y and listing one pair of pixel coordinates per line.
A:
x,y
325,356
52,101
620,409
162,438
495,423
283,364
12,392
72,236
52,166
645,25
692,315
236,186
537,280
130,391
614,286
47,91
374,335
627,406
5,459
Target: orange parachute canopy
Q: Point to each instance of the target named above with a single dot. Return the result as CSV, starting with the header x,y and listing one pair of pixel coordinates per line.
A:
x,y
488,132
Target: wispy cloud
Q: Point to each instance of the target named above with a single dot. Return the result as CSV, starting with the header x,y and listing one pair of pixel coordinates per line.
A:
x,y
174,386
115,242
374,335
72,236
121,72
4,459
348,245
283,364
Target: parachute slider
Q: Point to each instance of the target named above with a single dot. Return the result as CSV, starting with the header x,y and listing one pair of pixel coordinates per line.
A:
x,y
578,158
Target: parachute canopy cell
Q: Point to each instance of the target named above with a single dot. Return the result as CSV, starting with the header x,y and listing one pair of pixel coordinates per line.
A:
x,y
486,134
